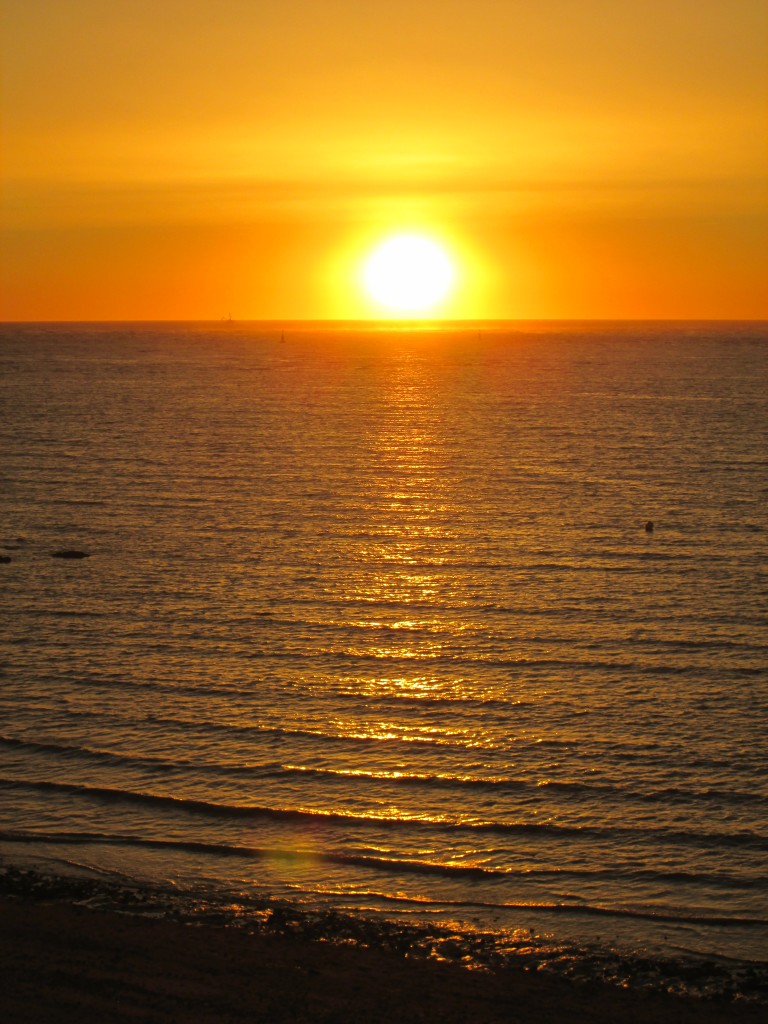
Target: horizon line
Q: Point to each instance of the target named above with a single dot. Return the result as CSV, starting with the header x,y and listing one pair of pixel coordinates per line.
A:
x,y
391,321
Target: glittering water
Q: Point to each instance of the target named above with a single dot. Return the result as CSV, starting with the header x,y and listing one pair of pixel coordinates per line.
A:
x,y
371,619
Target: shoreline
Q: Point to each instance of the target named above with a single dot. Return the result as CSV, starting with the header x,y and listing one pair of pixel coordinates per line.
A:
x,y
67,963
75,950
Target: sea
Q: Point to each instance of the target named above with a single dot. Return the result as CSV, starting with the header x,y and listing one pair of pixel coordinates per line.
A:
x,y
451,631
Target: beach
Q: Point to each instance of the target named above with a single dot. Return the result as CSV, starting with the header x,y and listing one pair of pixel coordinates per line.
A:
x,y
66,963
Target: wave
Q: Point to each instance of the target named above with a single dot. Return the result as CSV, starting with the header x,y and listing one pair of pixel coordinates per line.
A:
x,y
403,866
64,613
227,692
498,784
307,816
668,794
588,910
267,769
501,784
199,726
361,736
394,659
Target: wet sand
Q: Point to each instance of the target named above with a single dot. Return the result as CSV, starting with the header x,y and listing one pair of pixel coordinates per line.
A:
x,y
63,963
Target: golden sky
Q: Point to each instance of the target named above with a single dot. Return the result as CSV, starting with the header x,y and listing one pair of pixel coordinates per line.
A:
x,y
184,159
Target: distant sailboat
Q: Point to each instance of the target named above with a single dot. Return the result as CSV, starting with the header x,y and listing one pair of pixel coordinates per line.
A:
x,y
227,319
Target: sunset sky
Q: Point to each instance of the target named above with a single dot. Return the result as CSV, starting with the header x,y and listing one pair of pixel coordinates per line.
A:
x,y
187,159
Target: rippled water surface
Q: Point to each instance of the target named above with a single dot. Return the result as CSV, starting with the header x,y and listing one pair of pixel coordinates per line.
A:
x,y
371,619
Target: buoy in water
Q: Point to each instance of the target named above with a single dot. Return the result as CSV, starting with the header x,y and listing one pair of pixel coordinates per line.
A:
x,y
649,526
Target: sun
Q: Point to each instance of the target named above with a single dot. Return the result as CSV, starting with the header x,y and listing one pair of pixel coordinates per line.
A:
x,y
408,274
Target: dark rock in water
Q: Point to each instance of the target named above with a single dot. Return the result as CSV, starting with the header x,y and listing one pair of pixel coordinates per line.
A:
x,y
649,526
69,553
5,559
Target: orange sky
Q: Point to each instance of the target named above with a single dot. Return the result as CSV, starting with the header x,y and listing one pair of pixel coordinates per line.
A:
x,y
183,159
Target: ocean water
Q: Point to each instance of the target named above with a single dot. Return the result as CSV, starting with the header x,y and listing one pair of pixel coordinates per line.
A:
x,y
371,623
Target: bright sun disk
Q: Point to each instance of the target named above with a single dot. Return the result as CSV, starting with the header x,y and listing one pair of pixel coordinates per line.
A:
x,y
408,274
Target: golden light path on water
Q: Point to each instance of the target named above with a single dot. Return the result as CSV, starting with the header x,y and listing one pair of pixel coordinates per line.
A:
x,y
415,502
